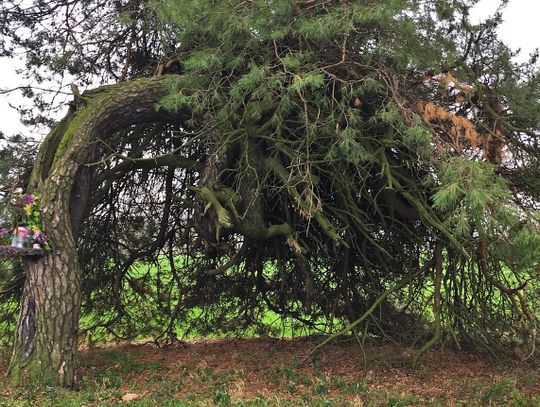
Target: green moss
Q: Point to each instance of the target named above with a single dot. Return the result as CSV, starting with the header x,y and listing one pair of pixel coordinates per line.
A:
x,y
97,102
50,145
34,372
71,131
223,217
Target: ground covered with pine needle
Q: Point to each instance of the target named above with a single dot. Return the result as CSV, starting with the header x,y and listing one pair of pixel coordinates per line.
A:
x,y
271,372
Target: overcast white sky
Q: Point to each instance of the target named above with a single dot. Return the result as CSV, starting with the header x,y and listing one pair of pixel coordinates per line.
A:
x,y
520,29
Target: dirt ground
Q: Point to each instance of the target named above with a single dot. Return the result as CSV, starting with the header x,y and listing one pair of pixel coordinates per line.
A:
x,y
271,369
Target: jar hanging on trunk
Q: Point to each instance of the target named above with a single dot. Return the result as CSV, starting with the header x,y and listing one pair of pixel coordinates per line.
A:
x,y
20,237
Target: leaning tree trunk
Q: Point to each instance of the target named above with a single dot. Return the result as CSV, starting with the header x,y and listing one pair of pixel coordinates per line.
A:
x,y
45,347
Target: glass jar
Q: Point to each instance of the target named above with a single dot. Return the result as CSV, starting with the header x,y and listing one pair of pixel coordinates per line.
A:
x,y
20,237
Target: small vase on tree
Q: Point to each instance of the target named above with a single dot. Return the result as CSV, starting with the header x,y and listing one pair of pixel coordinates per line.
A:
x,y
20,237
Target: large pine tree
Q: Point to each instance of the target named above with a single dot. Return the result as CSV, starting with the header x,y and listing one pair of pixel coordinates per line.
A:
x,y
320,159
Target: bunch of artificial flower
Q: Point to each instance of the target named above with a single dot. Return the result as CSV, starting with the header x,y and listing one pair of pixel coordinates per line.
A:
x,y
30,230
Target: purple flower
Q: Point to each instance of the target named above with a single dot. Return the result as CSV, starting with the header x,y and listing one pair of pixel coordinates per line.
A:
x,y
39,237
30,199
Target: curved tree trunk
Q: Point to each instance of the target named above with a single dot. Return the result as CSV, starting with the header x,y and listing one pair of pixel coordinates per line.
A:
x,y
45,346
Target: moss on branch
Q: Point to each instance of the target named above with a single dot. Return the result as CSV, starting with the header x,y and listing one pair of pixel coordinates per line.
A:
x,y
223,217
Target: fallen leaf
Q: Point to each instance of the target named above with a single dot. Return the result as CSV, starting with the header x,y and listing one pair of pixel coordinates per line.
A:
x,y
131,396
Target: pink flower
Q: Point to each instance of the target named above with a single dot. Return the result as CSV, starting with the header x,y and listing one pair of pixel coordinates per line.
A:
x,y
22,231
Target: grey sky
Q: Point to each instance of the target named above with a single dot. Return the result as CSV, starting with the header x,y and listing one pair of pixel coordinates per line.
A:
x,y
519,30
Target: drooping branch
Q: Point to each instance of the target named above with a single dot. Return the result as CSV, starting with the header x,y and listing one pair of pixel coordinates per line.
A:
x,y
403,283
131,164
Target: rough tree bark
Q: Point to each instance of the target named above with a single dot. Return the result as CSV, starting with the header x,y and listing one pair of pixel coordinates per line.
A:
x,y
45,347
